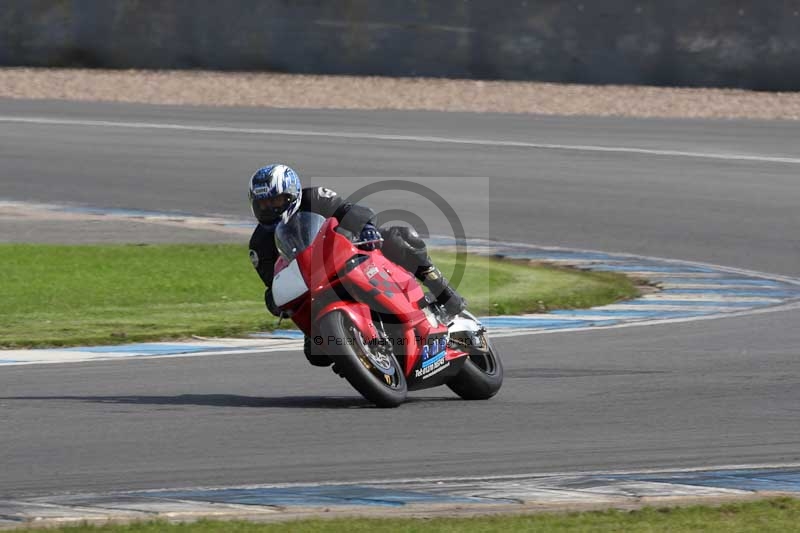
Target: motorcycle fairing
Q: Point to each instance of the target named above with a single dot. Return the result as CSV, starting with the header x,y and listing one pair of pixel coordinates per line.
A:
x,y
359,313
288,284
340,279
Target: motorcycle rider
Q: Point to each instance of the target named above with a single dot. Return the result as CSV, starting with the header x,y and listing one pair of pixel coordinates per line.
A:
x,y
276,194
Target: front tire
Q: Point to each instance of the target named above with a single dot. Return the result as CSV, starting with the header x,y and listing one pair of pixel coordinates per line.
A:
x,y
371,370
482,374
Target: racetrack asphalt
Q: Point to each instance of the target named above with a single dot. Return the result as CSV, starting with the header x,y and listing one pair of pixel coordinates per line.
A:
x,y
693,394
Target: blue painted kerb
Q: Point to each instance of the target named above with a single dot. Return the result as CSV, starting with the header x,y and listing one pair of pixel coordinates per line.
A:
x,y
314,495
778,480
773,479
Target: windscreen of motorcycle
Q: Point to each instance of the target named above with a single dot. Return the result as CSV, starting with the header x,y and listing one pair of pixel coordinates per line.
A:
x,y
294,236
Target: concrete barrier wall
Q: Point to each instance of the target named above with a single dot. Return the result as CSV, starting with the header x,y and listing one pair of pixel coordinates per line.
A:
x,y
736,43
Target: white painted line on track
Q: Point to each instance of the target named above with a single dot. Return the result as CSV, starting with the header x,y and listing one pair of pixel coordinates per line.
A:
x,y
698,276
510,477
705,298
402,138
636,306
214,347
669,285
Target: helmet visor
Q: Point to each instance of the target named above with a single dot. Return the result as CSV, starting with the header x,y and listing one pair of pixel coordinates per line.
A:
x,y
276,203
269,210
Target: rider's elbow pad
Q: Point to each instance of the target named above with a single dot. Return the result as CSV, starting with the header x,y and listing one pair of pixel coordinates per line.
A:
x,y
354,217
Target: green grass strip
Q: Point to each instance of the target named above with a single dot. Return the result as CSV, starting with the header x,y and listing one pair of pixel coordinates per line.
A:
x,y
773,515
52,295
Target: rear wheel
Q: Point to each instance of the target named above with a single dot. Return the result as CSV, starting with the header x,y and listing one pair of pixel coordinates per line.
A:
x,y
482,374
371,369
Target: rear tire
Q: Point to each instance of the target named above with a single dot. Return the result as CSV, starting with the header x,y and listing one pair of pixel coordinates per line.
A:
x,y
482,374
372,371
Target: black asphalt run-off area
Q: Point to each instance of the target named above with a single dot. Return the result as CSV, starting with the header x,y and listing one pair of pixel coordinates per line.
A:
x,y
714,392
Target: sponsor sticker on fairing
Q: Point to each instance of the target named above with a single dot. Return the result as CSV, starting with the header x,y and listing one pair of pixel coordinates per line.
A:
x,y
437,365
372,270
433,358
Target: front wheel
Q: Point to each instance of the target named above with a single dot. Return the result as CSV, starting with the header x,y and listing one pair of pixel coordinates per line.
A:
x,y
482,374
371,369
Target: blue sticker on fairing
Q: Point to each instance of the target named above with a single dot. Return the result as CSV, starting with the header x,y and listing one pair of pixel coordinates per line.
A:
x,y
432,350
433,360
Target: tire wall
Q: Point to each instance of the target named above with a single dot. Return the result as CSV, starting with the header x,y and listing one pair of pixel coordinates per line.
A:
x,y
731,43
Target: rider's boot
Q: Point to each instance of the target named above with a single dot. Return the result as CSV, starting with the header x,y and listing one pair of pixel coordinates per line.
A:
x,y
446,296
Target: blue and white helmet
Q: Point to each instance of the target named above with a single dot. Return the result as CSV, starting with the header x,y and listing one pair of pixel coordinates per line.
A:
x,y
275,194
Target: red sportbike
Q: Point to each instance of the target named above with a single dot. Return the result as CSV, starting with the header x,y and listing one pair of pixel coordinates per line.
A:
x,y
372,318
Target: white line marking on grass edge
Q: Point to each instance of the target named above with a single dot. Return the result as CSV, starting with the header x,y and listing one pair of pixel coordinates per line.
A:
x,y
511,477
401,138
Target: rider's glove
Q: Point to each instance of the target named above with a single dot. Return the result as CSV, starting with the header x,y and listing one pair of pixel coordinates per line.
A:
x,y
370,233
272,307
